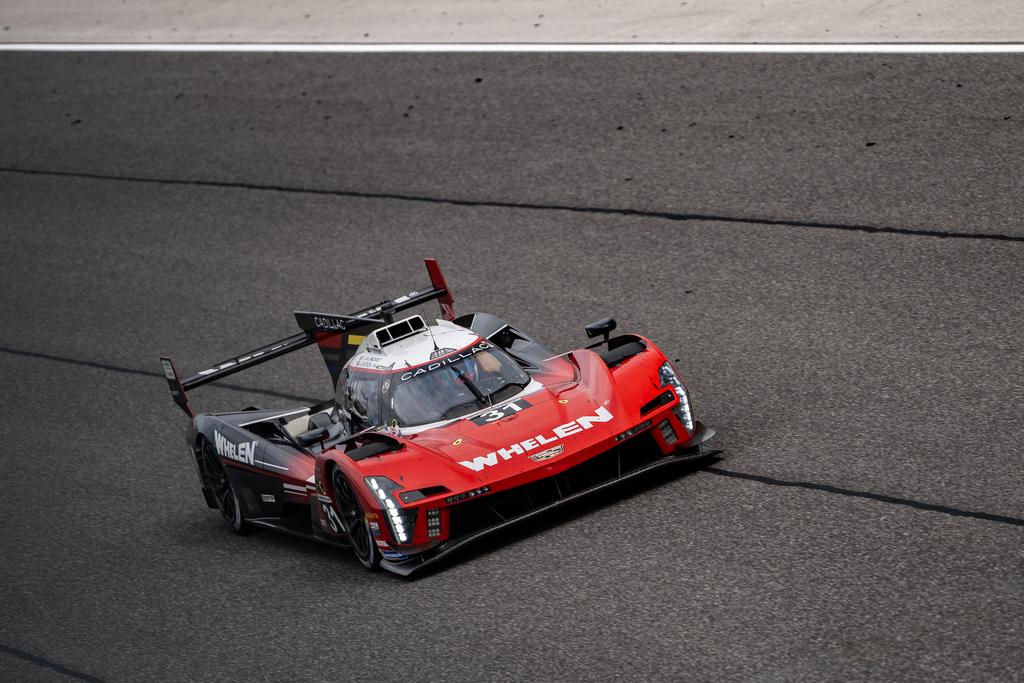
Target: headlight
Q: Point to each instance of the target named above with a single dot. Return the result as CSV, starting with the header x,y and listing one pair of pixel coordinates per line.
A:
x,y
402,521
669,378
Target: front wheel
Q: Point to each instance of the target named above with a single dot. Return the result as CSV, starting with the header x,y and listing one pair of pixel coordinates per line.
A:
x,y
215,480
353,520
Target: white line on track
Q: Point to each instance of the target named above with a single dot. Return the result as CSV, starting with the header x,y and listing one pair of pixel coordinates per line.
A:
x,y
360,48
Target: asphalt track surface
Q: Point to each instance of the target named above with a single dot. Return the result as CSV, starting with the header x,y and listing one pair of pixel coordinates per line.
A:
x,y
831,245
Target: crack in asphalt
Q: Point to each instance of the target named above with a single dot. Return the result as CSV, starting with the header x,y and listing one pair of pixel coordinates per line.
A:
x,y
147,373
718,471
880,497
47,664
451,201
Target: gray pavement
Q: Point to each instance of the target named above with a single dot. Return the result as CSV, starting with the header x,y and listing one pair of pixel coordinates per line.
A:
x,y
927,142
865,523
522,21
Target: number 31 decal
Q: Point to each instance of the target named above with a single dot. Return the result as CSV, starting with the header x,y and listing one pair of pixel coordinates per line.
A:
x,y
498,413
332,517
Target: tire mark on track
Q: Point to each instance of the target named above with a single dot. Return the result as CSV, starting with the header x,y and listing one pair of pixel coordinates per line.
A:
x,y
147,373
451,201
880,497
47,664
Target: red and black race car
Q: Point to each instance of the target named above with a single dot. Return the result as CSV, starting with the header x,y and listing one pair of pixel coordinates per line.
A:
x,y
439,431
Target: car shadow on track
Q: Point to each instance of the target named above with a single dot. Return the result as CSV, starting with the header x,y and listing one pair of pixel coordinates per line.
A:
x,y
581,507
212,534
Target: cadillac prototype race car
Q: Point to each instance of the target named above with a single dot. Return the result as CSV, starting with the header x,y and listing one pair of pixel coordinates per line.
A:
x,y
439,431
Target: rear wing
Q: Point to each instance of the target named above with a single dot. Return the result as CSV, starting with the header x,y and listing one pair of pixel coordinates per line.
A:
x,y
338,337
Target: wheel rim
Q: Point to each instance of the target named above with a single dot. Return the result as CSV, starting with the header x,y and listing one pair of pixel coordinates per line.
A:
x,y
217,481
352,518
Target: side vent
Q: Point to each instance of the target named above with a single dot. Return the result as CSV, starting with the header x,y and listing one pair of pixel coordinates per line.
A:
x,y
619,349
662,399
369,444
419,494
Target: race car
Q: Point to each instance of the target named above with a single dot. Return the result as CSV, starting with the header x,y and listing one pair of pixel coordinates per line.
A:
x,y
439,431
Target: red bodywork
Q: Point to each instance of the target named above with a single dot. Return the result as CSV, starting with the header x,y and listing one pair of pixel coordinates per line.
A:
x,y
601,415
578,385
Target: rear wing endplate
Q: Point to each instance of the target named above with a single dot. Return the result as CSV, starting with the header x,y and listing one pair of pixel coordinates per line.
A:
x,y
338,336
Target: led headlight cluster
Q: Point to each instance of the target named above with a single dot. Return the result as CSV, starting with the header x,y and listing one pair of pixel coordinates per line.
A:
x,y
384,489
667,432
433,523
670,379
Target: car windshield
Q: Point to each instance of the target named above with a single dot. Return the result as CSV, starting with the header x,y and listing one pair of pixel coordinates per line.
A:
x,y
440,390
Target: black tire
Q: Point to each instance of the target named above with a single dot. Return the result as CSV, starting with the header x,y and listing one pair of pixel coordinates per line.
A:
x,y
215,480
353,521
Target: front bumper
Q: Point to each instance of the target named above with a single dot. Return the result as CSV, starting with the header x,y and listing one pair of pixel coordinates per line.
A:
x,y
600,472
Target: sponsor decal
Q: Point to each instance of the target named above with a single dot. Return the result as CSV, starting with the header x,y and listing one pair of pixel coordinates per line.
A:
x,y
548,454
293,489
242,452
168,369
328,323
562,431
437,353
267,498
323,499
457,442
368,361
236,361
371,362
464,495
387,385
392,555
320,488
374,526
498,413
405,297
445,362
383,545
370,516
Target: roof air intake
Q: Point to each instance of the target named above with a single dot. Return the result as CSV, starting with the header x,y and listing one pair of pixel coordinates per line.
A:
x,y
400,330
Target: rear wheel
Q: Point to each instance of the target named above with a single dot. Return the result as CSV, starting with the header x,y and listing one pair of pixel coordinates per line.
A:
x,y
353,520
216,481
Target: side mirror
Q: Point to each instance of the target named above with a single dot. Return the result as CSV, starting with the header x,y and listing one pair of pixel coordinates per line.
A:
x,y
603,327
313,436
